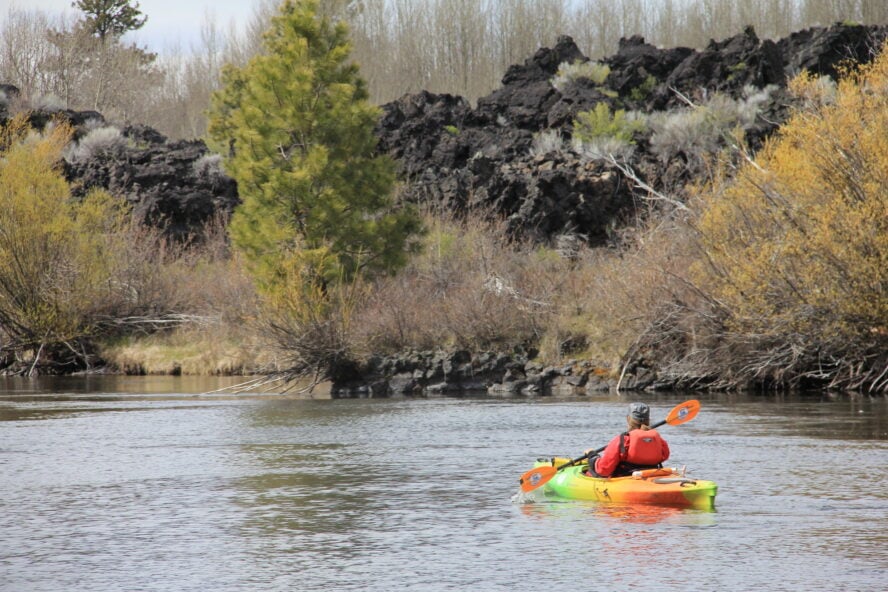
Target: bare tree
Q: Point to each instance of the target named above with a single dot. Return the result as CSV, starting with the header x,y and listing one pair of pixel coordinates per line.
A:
x,y
24,50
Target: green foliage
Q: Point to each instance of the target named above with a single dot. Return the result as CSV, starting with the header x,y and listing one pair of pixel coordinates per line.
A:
x,y
736,70
641,92
56,254
297,129
602,123
452,130
110,18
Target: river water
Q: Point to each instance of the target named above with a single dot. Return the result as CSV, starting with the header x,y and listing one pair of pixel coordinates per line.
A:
x,y
124,484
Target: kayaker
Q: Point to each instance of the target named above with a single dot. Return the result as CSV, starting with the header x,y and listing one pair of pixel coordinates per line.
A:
x,y
639,447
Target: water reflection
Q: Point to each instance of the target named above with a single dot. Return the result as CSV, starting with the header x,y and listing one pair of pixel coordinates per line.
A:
x,y
617,513
310,493
109,384
816,415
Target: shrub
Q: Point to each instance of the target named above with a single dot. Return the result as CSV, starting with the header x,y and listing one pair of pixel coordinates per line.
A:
x,y
701,130
600,133
796,246
568,73
209,166
97,142
48,102
192,309
546,141
57,256
813,91
470,287
603,147
643,90
601,122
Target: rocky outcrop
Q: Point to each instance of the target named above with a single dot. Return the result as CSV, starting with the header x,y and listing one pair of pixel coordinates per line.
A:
x,y
453,373
824,51
526,96
480,160
728,66
460,372
177,186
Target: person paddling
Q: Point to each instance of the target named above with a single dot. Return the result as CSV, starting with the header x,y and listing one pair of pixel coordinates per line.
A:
x,y
640,447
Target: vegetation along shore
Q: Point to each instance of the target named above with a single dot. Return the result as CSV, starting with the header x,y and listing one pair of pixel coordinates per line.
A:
x,y
310,200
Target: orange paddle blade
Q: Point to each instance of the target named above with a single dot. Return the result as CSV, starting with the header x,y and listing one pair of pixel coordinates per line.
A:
x,y
536,477
684,412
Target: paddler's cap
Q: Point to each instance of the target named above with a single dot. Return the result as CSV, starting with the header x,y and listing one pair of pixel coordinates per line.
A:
x,y
640,412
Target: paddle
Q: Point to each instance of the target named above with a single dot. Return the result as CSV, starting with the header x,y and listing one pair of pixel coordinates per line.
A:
x,y
540,475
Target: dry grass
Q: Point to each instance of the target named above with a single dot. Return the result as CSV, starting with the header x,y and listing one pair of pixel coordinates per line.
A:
x,y
472,287
194,350
199,310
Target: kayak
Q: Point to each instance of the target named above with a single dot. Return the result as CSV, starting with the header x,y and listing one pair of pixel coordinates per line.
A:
x,y
660,487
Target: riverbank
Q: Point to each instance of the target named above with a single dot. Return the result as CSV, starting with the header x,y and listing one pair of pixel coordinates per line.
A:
x,y
588,226
407,374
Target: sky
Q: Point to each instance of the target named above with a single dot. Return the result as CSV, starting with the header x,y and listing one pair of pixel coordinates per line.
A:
x,y
170,22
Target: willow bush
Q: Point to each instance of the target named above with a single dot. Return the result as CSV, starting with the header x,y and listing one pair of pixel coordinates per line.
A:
x,y
57,255
796,246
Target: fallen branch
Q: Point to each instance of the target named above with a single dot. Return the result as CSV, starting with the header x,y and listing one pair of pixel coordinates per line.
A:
x,y
653,194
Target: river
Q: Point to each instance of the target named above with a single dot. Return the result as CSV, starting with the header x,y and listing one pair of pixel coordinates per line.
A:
x,y
125,484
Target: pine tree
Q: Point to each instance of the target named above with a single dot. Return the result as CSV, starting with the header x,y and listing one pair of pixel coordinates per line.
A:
x,y
298,130
110,18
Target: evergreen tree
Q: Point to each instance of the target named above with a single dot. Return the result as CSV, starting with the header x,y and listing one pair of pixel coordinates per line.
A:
x,y
298,130
110,18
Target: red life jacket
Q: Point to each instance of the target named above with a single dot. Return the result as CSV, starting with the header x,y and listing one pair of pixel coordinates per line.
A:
x,y
642,447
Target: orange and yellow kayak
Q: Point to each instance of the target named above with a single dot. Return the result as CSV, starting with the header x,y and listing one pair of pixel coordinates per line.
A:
x,y
661,487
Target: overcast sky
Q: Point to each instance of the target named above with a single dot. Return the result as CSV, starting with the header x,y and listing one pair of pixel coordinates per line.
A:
x,y
169,21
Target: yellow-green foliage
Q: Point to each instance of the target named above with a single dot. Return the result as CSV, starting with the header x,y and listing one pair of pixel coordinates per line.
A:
x,y
798,242
56,254
601,122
